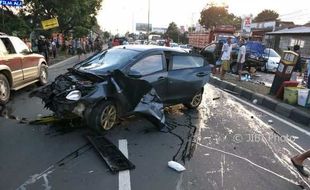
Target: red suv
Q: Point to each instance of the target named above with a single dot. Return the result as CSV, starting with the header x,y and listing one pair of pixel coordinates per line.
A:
x,y
19,67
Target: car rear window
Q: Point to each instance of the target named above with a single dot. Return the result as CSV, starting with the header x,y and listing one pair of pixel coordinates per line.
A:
x,y
184,62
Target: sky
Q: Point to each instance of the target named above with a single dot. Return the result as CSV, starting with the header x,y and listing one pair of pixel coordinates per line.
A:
x,y
120,16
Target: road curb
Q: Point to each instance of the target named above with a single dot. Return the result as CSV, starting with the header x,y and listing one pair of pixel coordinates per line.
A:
x,y
277,106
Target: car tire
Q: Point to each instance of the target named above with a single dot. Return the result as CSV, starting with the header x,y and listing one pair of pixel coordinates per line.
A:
x,y
103,116
195,101
5,90
43,75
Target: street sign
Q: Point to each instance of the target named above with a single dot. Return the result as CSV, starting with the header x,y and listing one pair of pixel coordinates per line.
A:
x,y
12,3
50,23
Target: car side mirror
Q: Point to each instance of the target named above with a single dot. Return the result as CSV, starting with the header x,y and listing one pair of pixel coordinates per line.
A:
x,y
134,74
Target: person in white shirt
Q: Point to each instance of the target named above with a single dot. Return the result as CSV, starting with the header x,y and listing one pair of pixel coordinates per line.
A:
x,y
241,57
225,58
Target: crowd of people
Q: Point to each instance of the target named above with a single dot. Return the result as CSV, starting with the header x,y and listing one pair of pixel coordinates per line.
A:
x,y
225,59
51,47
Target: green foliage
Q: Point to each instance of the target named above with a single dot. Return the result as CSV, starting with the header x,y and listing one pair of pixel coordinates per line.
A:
x,y
216,16
183,38
106,35
12,24
173,32
77,16
266,15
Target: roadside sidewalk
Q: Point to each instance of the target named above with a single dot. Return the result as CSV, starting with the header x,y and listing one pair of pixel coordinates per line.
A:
x,y
259,93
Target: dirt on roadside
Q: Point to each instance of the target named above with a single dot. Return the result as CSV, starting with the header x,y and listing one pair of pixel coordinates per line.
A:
x,y
252,85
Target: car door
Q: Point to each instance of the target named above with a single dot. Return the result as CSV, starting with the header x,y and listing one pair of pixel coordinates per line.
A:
x,y
209,53
30,61
11,59
152,68
187,75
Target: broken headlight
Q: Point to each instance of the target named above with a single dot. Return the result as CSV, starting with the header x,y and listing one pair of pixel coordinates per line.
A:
x,y
74,95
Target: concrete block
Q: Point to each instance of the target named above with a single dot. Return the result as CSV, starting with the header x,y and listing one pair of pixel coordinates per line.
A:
x,y
230,86
284,109
246,94
223,84
238,89
258,97
269,103
216,82
300,117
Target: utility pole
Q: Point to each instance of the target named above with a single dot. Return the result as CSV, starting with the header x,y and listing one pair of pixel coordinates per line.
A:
x,y
148,21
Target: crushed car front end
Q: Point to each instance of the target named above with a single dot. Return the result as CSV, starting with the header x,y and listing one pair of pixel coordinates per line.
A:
x,y
71,94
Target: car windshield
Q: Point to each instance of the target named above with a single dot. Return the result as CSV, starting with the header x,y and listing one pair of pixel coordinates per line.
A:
x,y
271,53
107,60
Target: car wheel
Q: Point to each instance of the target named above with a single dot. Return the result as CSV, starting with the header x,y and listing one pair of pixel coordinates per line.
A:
x,y
4,89
43,75
104,116
195,102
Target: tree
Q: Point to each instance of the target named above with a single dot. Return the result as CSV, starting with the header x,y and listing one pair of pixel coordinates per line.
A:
x,y
215,16
266,15
11,23
173,32
74,15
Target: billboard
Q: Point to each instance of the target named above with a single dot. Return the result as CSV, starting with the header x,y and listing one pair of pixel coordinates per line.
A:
x,y
143,27
246,24
12,3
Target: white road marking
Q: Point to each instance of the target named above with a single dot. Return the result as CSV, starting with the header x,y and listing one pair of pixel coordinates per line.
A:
x,y
123,176
254,164
270,114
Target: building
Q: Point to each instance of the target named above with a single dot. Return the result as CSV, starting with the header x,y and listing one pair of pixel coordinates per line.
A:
x,y
285,39
259,29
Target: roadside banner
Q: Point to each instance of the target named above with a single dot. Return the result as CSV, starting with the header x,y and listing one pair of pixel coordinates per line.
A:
x,y
246,24
50,23
12,3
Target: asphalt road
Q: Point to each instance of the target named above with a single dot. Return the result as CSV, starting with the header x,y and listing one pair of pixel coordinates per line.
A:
x,y
225,144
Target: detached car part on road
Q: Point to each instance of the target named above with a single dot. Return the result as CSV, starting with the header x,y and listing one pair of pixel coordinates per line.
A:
x,y
19,67
126,80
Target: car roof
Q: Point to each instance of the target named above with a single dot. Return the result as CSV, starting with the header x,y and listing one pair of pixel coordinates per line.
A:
x,y
143,48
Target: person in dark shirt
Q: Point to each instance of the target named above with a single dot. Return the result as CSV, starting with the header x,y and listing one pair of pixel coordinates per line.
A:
x,y
298,66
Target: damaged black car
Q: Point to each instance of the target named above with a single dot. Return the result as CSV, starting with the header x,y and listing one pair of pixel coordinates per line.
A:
x,y
126,80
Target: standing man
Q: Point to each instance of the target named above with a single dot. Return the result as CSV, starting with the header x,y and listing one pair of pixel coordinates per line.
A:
x,y
167,41
298,162
226,51
241,57
298,66
54,48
